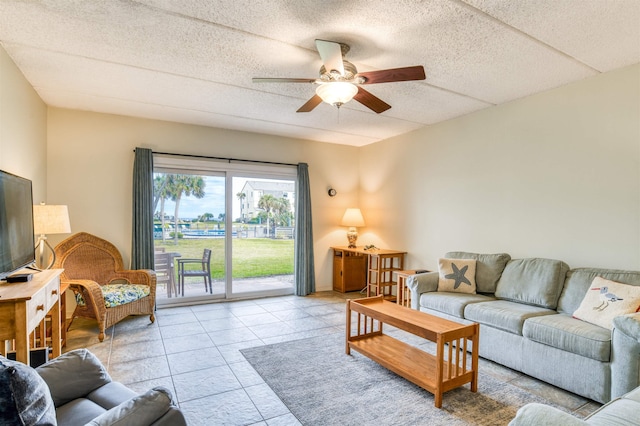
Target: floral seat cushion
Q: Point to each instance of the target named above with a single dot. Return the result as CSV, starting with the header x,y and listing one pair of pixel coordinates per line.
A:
x,y
119,294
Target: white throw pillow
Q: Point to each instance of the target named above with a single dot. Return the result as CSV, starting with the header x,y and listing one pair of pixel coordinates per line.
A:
x,y
606,300
457,275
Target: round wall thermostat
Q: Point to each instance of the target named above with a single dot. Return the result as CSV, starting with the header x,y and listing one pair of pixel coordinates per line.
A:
x,y
332,192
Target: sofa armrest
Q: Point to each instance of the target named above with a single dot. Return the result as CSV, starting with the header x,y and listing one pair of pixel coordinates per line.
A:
x,y
421,283
136,276
173,417
625,347
629,325
141,410
534,414
73,375
91,292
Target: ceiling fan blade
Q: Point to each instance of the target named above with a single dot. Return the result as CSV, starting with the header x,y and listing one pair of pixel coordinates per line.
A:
x,y
370,101
331,55
394,74
283,80
311,104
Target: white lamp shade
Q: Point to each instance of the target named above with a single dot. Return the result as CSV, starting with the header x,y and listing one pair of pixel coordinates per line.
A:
x,y
337,92
50,219
352,217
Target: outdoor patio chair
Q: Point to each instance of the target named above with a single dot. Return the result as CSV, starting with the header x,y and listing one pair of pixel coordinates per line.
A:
x,y
104,290
203,270
165,272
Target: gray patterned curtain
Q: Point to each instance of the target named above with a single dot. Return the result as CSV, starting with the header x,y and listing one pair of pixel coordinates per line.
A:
x,y
142,238
304,267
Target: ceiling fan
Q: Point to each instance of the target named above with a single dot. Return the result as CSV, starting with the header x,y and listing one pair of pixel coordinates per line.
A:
x,y
340,80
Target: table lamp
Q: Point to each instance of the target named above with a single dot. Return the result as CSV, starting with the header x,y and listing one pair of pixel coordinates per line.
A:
x,y
49,219
352,218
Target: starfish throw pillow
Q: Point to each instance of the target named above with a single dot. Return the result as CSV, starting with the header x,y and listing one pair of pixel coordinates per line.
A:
x,y
605,300
457,275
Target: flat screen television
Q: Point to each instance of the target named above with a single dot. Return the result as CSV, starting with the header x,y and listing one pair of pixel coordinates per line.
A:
x,y
16,223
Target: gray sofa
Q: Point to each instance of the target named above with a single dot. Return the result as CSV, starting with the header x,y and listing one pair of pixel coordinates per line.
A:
x,y
75,389
623,411
524,308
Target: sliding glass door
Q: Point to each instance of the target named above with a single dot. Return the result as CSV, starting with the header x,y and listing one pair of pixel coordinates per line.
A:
x,y
262,249
222,230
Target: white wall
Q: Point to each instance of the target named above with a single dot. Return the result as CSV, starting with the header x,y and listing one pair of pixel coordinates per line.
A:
x,y
23,128
553,175
90,166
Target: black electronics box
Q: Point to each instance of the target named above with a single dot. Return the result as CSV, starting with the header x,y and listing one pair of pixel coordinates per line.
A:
x,y
19,278
37,356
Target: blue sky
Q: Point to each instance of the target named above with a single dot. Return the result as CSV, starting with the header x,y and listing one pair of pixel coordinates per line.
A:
x,y
213,201
192,207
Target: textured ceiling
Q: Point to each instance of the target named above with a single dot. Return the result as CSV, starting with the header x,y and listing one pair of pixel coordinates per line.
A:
x,y
192,61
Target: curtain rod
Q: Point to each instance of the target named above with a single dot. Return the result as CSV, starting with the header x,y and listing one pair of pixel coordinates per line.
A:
x,y
222,158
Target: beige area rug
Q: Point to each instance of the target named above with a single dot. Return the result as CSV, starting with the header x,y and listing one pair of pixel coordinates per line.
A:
x,y
321,385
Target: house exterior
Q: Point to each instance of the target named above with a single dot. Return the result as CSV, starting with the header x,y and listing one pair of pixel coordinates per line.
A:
x,y
254,190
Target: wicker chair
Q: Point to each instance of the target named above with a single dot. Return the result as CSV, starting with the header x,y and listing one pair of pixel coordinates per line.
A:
x,y
89,263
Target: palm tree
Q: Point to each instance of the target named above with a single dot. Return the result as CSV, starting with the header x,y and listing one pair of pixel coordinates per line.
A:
x,y
186,185
268,203
161,193
282,213
206,217
241,196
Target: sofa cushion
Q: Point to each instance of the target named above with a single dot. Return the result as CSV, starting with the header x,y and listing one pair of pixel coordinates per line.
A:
x,y
489,268
503,315
119,294
457,275
569,334
621,411
579,280
78,412
111,394
24,397
536,414
73,375
606,300
532,281
140,410
451,303
634,395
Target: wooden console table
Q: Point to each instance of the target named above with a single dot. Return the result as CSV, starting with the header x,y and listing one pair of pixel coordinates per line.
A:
x,y
379,269
23,306
447,370
349,269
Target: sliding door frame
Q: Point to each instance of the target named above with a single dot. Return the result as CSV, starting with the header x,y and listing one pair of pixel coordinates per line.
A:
x,y
230,170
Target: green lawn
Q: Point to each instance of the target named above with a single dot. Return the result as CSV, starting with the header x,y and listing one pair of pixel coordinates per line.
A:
x,y
255,257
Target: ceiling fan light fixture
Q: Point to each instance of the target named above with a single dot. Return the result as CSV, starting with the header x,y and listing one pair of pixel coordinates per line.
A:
x,y
337,93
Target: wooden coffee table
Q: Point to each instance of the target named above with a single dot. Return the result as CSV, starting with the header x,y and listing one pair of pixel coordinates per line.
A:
x,y
447,370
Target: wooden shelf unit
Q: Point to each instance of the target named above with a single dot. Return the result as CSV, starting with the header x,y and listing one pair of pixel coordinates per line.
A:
x,y
376,265
381,266
449,368
403,294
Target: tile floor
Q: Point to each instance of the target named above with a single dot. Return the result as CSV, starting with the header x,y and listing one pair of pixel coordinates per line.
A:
x,y
194,351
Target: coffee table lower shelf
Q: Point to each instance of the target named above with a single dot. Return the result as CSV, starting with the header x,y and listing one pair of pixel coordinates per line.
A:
x,y
448,369
413,364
